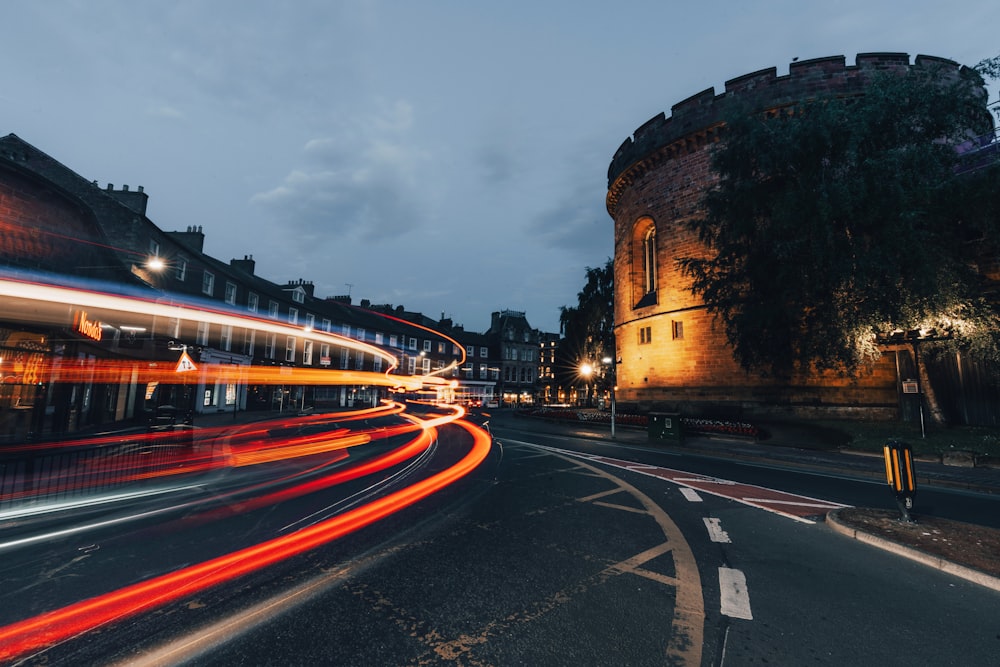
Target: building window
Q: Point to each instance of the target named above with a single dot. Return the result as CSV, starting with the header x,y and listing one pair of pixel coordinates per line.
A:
x,y
425,366
361,334
202,338
644,263
482,371
377,364
411,365
378,337
645,335
252,302
677,328
307,352
272,309
230,293
327,325
427,346
470,351
345,358
324,354
359,360
393,341
345,329
226,339
298,295
154,248
441,347
248,341
293,315
290,348
208,283
269,343
310,321
649,260
180,268
413,343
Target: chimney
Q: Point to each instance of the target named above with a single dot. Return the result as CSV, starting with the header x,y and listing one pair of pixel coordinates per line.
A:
x,y
246,264
135,200
194,238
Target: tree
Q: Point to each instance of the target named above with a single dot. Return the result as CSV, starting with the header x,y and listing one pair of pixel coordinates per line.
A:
x,y
588,327
837,220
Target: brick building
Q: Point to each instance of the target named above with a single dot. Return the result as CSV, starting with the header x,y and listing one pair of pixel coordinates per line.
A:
x,y
673,354
58,229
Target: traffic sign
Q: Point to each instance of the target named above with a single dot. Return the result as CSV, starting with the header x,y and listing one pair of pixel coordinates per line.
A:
x,y
185,364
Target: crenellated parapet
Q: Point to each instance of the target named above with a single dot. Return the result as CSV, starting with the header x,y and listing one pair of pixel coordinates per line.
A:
x,y
696,121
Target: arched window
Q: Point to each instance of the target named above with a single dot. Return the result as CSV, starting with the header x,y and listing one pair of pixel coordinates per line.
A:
x,y
649,260
644,263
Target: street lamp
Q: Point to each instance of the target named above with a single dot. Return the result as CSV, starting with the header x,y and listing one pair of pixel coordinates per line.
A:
x,y
608,361
586,370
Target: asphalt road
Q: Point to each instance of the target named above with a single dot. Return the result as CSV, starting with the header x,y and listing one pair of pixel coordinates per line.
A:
x,y
549,555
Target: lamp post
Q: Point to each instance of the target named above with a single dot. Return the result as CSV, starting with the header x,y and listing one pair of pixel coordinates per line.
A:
x,y
609,361
586,370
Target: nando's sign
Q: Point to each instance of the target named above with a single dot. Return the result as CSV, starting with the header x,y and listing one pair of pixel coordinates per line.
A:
x,y
86,326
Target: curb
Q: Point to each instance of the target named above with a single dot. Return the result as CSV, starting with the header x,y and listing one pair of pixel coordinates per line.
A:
x,y
947,566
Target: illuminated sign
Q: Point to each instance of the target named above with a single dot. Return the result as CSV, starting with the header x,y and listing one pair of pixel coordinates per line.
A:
x,y
87,327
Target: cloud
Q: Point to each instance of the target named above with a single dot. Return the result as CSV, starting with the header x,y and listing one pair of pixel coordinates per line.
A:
x,y
361,182
164,111
579,224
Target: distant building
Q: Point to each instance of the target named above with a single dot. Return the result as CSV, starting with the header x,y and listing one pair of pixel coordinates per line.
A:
x,y
517,343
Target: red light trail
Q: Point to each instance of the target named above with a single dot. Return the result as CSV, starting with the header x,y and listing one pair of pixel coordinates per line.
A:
x,y
47,629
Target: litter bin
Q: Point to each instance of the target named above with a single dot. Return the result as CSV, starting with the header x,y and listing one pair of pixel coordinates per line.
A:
x,y
665,426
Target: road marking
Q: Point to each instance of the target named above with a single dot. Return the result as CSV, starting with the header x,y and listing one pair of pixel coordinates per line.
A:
x,y
715,531
790,505
735,598
688,622
690,494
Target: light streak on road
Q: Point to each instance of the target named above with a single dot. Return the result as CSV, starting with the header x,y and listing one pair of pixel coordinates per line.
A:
x,y
39,632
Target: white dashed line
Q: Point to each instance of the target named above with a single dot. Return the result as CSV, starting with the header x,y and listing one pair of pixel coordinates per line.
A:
x,y
735,601
690,494
715,530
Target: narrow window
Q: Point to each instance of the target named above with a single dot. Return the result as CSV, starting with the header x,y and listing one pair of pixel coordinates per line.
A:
x,y
649,260
202,333
678,329
248,341
208,283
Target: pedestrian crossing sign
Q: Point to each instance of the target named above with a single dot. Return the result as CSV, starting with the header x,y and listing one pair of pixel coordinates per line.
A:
x,y
185,363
